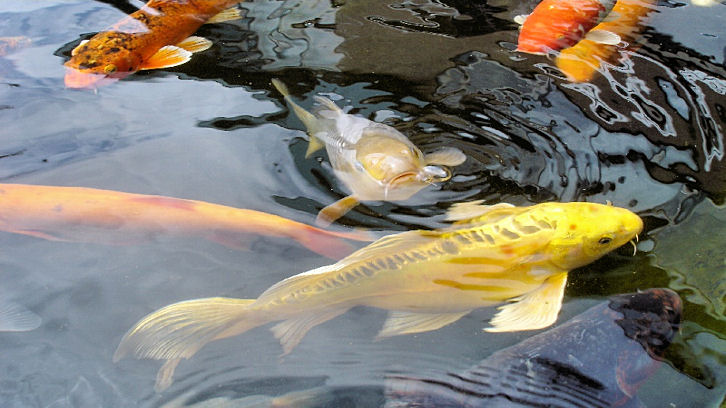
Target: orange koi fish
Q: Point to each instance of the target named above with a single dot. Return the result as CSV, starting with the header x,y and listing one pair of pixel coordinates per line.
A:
x,y
77,214
558,24
156,36
580,62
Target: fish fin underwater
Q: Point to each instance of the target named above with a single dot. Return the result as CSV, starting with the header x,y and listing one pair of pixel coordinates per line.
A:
x,y
603,37
332,212
307,118
534,310
290,332
404,322
179,330
167,56
472,209
195,44
230,14
17,318
448,156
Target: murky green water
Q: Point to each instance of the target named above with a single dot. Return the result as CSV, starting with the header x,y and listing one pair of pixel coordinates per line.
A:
x,y
647,135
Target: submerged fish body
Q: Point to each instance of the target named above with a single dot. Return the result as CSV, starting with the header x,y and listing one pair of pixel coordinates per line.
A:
x,y
580,62
597,359
77,214
426,279
374,161
155,36
558,24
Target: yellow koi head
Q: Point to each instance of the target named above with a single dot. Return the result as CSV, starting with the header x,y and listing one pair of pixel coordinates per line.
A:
x,y
102,58
585,232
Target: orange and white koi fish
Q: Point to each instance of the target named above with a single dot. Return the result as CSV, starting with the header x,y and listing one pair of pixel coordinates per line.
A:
x,y
426,279
580,62
78,214
156,36
375,161
558,24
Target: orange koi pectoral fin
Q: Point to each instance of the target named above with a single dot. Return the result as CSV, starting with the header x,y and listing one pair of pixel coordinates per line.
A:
x,y
195,44
399,322
603,37
535,310
166,57
329,214
223,16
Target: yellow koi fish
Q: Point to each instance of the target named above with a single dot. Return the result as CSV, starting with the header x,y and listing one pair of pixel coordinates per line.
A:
x,y
375,161
78,214
427,279
156,36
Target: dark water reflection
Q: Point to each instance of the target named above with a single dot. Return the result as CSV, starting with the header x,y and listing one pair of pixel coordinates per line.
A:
x,y
647,134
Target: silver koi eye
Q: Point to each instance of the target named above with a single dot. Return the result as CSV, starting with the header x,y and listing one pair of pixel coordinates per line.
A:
x,y
434,174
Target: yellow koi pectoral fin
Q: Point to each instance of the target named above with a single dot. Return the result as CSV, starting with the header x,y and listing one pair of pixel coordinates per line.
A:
x,y
534,310
411,322
472,209
448,156
230,14
195,44
329,214
291,331
168,56
181,329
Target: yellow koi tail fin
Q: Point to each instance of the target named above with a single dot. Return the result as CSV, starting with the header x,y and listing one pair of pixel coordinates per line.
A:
x,y
179,330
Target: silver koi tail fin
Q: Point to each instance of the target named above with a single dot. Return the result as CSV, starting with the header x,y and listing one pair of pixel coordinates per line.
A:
x,y
179,330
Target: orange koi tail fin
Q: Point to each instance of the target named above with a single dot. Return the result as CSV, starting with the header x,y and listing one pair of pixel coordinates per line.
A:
x,y
179,330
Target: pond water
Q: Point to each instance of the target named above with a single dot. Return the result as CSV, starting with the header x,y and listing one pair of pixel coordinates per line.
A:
x,y
647,134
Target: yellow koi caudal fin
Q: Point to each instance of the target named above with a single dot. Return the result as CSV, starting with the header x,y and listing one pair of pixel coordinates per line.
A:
x,y
179,330
329,214
534,310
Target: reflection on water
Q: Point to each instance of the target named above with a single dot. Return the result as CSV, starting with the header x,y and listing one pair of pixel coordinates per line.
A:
x,y
646,133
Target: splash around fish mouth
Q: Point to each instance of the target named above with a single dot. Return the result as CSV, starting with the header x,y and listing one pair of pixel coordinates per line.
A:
x,y
85,80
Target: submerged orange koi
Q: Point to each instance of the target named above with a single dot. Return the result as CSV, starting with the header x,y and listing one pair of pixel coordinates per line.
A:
x,y
156,36
580,62
77,214
558,24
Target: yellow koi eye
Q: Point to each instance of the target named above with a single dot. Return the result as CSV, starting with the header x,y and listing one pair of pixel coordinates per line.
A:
x,y
604,240
109,69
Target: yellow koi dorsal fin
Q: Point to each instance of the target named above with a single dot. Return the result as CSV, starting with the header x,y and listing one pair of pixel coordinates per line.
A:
x,y
448,156
230,14
291,331
16,318
399,322
329,214
534,310
195,44
167,56
314,145
603,37
472,209
75,50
